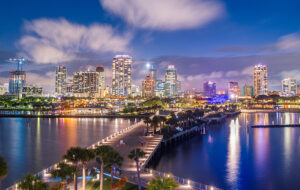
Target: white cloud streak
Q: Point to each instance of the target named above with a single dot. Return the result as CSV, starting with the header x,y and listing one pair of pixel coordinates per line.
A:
x,y
58,40
165,14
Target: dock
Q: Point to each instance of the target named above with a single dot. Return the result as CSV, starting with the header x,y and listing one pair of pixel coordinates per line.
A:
x,y
275,126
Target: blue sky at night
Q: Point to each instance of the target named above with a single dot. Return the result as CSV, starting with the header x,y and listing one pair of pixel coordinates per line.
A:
x,y
205,39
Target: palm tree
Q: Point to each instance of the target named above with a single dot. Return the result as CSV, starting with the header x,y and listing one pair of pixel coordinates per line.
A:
x,y
63,171
73,155
102,152
114,159
147,121
154,123
159,183
32,182
162,119
85,156
3,169
135,155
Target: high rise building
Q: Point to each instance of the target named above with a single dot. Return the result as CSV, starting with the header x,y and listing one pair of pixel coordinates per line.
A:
x,y
135,91
159,88
298,90
17,80
233,89
153,74
289,87
100,70
247,90
148,87
260,80
121,75
61,80
209,89
85,84
171,81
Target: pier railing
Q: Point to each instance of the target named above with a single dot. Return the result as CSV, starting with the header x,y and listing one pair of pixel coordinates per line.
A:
x,y
46,172
190,184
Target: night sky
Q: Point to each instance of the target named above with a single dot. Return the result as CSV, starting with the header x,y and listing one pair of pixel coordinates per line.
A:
x,y
204,39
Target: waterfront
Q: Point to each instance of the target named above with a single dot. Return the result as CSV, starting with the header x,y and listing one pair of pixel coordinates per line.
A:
x,y
232,156
32,144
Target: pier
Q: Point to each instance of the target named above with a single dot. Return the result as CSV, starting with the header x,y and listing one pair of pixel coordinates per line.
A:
x,y
128,139
275,126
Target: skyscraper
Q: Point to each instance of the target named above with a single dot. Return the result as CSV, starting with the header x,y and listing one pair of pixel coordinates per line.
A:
x,y
60,80
210,89
85,84
171,81
260,80
153,74
148,87
121,75
233,89
101,80
289,87
17,80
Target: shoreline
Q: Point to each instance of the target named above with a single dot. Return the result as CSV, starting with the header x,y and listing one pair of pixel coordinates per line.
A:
x,y
270,110
74,116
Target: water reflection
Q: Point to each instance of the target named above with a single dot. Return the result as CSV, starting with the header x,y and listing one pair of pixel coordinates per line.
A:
x,y
32,144
233,155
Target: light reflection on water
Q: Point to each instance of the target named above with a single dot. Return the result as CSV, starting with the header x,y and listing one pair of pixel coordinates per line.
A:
x,y
32,144
241,157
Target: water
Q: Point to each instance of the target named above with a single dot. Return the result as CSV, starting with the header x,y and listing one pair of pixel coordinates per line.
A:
x,y
230,156
32,144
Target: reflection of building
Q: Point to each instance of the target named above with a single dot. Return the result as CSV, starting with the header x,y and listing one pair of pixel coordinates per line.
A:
x,y
247,90
260,80
288,87
17,79
85,84
171,81
209,88
60,80
148,87
121,75
32,91
233,89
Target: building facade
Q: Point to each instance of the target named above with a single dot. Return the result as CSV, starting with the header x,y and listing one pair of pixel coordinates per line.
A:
x,y
17,80
209,89
148,87
234,89
288,87
32,91
85,84
61,80
260,80
247,90
121,75
159,88
171,81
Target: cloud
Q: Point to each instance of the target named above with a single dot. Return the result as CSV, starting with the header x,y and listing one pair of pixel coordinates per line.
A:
x,y
294,74
205,77
165,14
289,42
58,40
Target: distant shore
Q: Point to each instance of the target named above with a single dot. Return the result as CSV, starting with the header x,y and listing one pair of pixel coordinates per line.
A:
x,y
73,116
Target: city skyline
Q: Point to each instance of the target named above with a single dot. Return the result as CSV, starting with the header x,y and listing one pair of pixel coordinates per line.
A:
x,y
221,46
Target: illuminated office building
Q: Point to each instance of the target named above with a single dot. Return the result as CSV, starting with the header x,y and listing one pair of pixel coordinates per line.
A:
x,y
247,90
148,87
288,87
61,80
233,89
17,80
121,75
209,89
171,81
85,84
260,80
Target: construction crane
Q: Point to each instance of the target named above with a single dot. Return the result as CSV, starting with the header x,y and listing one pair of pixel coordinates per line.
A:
x,y
19,62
